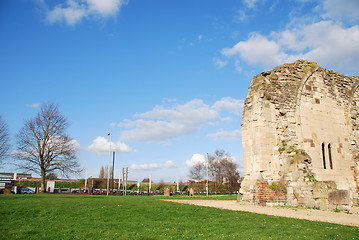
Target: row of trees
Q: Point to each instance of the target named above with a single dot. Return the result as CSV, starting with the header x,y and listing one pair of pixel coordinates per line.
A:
x,y
222,172
43,145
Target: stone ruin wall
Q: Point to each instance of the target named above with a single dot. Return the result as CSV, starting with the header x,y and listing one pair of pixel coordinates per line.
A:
x,y
300,138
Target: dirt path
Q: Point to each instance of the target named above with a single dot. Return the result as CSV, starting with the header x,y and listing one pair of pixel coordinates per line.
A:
x,y
308,214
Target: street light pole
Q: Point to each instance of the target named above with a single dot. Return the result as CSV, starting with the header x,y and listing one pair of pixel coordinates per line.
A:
x,y
207,175
113,172
86,179
91,191
108,165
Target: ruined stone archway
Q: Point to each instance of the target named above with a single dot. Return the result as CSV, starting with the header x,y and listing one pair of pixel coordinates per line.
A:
x,y
296,132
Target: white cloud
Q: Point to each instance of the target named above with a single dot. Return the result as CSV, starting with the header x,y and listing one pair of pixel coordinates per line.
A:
x,y
152,166
195,159
102,145
226,135
168,123
16,153
168,100
200,37
249,10
257,50
219,63
75,143
33,105
229,104
73,11
327,33
347,10
105,7
227,119
250,3
243,16
325,42
164,123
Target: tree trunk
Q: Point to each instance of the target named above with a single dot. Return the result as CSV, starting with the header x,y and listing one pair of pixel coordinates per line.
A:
x,y
43,182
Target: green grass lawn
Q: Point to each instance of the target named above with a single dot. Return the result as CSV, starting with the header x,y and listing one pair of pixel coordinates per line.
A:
x,y
44,216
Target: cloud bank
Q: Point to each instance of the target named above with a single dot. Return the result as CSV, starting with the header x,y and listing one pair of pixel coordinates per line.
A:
x,y
101,145
73,12
33,105
328,38
226,135
152,166
165,123
195,159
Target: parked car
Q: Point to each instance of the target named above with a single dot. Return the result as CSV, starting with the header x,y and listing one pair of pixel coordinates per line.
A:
x,y
25,190
65,190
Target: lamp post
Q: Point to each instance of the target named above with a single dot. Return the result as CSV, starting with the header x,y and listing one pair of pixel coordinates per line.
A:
x,y
149,185
113,172
108,165
86,179
207,175
91,190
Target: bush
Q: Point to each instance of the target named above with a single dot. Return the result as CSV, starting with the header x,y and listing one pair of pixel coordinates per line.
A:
x,y
278,187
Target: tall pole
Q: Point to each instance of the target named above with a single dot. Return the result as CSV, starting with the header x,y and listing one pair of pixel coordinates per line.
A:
x,y
108,165
207,175
91,191
119,182
177,187
149,185
86,179
125,176
113,171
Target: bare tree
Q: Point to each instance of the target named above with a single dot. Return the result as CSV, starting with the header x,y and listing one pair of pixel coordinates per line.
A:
x,y
161,185
44,147
102,172
223,171
106,172
197,171
4,140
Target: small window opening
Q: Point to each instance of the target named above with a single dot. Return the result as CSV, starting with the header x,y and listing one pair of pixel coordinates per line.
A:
x,y
330,156
323,155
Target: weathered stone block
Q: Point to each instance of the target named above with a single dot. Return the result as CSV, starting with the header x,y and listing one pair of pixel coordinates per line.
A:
x,y
323,203
320,190
339,197
297,193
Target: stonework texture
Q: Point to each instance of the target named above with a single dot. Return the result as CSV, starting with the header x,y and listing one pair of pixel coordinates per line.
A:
x,y
300,138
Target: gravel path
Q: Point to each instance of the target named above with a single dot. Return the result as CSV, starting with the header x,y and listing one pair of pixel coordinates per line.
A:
x,y
308,214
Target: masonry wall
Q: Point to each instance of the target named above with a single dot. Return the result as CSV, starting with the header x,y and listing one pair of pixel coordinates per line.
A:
x,y
300,131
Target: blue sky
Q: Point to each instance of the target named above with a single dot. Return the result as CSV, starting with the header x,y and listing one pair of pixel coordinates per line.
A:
x,y
167,78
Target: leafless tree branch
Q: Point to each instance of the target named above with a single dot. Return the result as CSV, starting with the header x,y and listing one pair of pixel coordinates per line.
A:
x,y
43,145
222,171
4,140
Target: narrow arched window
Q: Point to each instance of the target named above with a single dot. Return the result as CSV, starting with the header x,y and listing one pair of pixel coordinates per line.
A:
x,y
323,155
330,156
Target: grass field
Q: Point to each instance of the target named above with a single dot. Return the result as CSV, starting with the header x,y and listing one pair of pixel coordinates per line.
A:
x,y
44,216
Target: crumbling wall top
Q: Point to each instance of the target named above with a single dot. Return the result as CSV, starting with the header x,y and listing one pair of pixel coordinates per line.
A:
x,y
283,85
